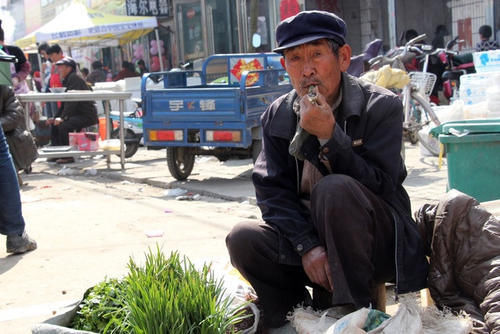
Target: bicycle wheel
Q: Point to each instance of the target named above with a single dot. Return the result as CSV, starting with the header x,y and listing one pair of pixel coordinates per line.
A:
x,y
426,106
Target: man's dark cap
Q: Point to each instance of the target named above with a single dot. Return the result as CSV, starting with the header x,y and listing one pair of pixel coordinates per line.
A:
x,y
67,61
309,26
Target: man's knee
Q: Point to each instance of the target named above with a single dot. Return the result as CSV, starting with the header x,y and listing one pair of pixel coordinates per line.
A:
x,y
240,241
335,189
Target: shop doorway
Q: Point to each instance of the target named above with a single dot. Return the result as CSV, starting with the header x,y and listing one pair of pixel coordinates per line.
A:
x,y
206,27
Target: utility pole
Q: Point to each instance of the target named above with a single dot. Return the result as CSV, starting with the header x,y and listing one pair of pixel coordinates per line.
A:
x,y
391,8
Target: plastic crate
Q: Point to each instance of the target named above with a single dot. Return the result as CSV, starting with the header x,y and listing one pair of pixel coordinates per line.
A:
x,y
473,155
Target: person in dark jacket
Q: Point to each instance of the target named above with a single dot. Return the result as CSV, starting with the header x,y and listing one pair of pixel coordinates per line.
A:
x,y
329,184
21,143
22,146
12,223
73,116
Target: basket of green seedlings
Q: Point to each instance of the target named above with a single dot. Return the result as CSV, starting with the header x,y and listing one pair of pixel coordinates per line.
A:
x,y
165,295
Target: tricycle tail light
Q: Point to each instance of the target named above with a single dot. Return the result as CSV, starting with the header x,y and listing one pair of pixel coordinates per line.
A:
x,y
223,136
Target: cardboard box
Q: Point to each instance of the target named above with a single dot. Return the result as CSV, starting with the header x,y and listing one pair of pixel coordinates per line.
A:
x,y
84,141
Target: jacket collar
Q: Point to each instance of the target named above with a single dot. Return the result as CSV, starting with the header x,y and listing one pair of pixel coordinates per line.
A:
x,y
353,98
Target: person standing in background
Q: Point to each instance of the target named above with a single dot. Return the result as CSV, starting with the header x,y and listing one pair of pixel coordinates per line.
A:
x,y
55,54
11,218
485,44
97,74
438,41
142,67
85,73
46,65
21,69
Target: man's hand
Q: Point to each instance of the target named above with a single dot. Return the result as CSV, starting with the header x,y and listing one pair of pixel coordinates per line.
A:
x,y
317,117
57,121
315,263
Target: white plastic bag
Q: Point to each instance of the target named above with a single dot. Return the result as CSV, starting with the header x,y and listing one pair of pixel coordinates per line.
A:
x,y
352,323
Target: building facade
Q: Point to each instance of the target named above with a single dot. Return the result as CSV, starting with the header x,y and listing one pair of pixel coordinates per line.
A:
x,y
193,29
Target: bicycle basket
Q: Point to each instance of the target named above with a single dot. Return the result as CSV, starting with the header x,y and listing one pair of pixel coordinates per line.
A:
x,y
423,82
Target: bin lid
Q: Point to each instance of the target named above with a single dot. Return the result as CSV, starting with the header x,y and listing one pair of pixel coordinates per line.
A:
x,y
493,126
436,131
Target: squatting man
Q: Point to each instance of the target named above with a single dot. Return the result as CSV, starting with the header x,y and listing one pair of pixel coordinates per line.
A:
x,y
329,184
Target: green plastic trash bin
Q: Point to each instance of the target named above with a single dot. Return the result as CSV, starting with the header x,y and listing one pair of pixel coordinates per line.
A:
x,y
473,155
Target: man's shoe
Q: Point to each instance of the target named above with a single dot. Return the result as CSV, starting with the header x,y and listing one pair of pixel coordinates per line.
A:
x,y
18,244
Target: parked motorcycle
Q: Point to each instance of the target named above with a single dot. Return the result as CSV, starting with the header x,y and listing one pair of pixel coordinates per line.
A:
x,y
456,66
132,126
359,63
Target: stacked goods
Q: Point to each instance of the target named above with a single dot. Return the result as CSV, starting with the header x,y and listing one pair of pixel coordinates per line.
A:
x,y
483,87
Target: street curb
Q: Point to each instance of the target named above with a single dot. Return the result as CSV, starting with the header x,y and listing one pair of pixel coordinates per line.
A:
x,y
176,184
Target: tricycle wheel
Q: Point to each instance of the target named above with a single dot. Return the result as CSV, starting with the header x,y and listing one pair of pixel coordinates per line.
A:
x,y
180,161
131,141
256,148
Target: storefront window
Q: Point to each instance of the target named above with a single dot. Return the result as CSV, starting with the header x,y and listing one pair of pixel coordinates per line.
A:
x,y
258,14
189,19
223,25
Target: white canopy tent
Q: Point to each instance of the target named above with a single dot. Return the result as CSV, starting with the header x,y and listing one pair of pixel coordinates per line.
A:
x,y
78,26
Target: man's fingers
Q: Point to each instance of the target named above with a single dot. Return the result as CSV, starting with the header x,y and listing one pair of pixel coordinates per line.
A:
x,y
329,276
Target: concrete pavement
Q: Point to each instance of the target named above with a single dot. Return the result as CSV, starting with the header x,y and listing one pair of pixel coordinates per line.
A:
x,y
87,230
231,180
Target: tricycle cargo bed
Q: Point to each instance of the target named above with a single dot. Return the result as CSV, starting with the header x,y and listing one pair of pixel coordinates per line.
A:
x,y
190,104
215,111
207,104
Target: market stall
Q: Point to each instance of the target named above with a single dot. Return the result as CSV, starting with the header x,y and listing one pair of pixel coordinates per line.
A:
x,y
78,26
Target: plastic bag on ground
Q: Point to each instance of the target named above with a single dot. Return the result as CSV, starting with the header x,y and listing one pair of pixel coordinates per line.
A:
x,y
409,319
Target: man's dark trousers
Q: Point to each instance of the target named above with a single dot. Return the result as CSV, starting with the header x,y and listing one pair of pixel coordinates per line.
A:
x,y
355,226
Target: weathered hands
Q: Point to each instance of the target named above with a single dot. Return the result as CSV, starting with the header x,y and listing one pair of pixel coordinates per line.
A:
x,y
317,117
315,263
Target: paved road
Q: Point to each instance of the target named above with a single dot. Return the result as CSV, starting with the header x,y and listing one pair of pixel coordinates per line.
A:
x,y
87,228
231,180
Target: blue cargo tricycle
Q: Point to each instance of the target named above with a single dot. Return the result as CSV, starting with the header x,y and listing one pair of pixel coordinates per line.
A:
x,y
215,111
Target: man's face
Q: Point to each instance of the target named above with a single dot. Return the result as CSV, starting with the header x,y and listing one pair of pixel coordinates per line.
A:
x,y
64,70
55,57
316,64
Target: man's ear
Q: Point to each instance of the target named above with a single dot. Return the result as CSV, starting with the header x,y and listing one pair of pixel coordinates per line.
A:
x,y
345,52
282,61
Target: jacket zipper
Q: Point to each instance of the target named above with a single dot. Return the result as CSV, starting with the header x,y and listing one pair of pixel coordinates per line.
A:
x,y
396,296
